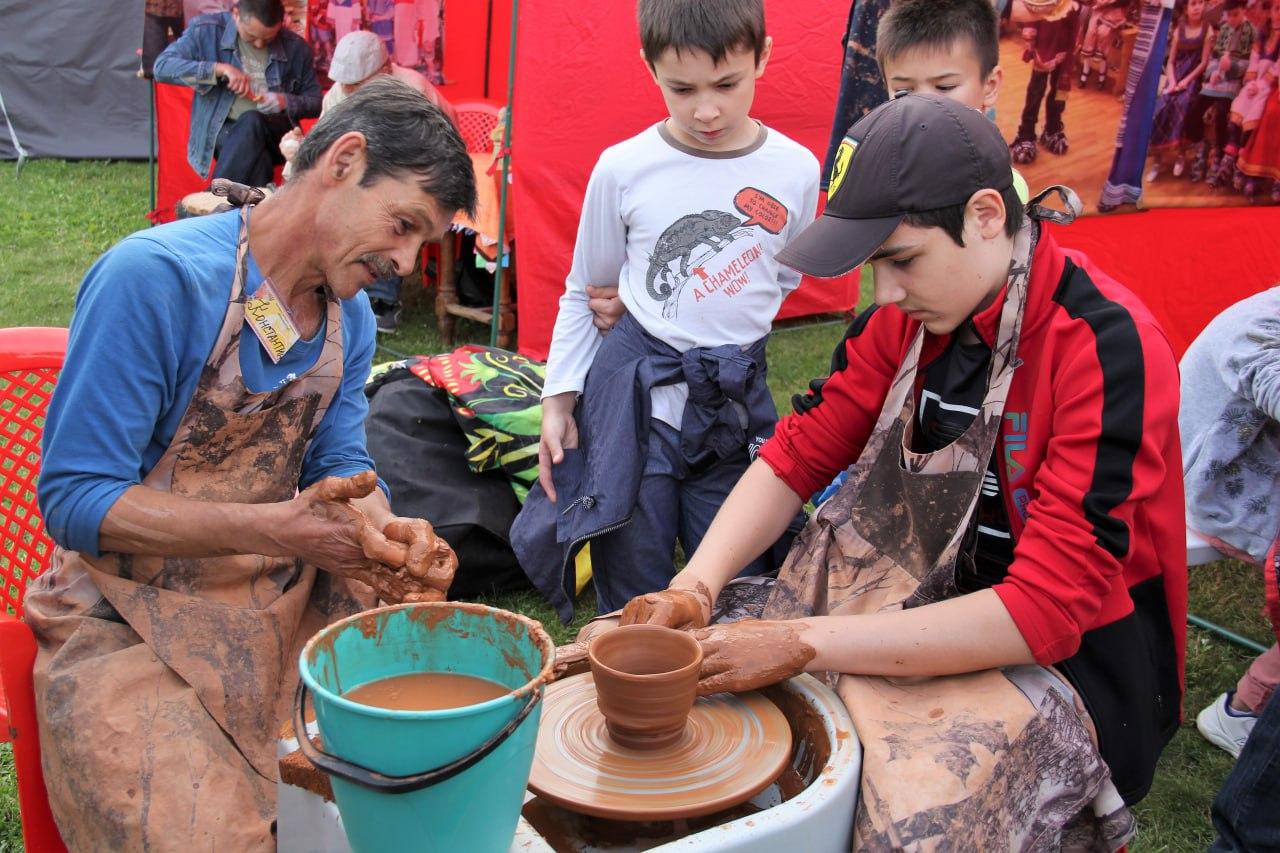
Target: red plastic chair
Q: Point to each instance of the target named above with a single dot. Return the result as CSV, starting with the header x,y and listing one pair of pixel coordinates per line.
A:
x,y
30,360
476,121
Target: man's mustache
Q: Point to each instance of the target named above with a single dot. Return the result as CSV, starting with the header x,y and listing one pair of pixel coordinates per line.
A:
x,y
381,267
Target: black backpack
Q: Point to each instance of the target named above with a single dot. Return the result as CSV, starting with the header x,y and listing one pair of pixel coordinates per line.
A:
x,y
419,450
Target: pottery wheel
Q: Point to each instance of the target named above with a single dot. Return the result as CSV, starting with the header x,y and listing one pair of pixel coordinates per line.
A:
x,y
732,747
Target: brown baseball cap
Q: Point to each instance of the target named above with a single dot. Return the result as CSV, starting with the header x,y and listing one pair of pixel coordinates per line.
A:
x,y
913,154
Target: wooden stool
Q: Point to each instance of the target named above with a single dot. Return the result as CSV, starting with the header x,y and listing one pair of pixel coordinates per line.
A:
x,y
448,307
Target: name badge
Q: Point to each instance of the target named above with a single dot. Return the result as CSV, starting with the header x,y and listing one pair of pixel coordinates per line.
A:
x,y
270,321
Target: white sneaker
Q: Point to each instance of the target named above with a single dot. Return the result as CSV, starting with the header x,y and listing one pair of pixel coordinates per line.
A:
x,y
1153,172
1225,727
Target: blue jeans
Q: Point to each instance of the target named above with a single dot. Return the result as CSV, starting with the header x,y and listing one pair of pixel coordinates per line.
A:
x,y
385,290
248,148
1246,812
674,503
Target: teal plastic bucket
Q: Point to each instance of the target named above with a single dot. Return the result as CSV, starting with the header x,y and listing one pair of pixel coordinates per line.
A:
x,y
447,780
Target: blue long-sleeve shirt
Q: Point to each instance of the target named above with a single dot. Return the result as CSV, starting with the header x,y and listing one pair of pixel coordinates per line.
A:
x,y
147,315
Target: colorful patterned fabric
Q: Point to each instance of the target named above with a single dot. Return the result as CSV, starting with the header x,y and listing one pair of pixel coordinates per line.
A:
x,y
496,397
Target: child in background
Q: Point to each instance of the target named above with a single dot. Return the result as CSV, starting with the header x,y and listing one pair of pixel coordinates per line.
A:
x,y
1260,157
1247,107
944,47
1188,57
1051,43
646,430
1221,83
1106,17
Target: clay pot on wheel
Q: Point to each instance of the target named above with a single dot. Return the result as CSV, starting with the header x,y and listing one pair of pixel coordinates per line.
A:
x,y
646,679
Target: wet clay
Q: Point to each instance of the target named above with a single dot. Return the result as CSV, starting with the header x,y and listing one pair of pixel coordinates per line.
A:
x,y
750,654
674,608
732,748
297,771
646,678
426,691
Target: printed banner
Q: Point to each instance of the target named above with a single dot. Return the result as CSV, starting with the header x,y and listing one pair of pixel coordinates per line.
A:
x,y
1144,101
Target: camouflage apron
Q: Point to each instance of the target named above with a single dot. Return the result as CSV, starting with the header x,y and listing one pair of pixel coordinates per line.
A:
x,y
162,681
1001,759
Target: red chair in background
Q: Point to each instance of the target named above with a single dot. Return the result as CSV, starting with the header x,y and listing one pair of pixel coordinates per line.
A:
x,y
476,122
30,360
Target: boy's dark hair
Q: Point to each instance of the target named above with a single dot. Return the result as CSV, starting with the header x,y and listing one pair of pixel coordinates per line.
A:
x,y
951,219
938,24
404,132
712,26
269,13
1232,5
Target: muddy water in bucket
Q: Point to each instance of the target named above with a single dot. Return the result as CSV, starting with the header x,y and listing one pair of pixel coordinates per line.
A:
x,y
428,780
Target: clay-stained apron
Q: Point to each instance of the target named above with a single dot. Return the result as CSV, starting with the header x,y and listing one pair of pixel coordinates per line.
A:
x,y
988,760
162,681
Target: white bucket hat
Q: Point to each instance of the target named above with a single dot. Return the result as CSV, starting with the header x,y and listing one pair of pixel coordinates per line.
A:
x,y
358,55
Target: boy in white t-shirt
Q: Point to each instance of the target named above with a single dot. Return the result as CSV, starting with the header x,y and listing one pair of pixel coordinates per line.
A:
x,y
687,217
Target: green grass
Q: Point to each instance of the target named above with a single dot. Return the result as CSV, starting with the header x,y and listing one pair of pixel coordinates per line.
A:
x,y
58,216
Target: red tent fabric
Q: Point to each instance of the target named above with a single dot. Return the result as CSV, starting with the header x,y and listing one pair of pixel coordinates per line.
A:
x,y
1186,264
174,176
581,87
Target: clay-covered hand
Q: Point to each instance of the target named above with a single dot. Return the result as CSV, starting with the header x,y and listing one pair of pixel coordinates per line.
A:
x,y
673,608
334,534
745,655
571,659
596,627
427,556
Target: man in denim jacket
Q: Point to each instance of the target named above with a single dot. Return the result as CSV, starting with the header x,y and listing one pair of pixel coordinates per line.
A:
x,y
253,81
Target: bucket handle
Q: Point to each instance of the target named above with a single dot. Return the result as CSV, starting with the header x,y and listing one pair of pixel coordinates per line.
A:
x,y
372,779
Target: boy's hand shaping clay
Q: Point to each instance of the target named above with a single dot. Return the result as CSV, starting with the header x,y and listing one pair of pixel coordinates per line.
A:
x,y
405,562
745,655
673,608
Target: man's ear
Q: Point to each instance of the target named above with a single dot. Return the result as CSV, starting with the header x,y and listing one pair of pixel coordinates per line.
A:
x,y
345,158
985,213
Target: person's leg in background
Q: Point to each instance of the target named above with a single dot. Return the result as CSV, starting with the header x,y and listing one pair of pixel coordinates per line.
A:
x,y
384,297
1054,137
701,496
1194,133
1227,722
1024,144
639,557
248,148
1245,812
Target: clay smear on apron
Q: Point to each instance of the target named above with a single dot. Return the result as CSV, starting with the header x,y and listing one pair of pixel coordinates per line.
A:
x,y
162,681
997,759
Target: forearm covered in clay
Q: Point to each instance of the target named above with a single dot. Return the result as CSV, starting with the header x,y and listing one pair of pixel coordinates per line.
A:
x,y
149,522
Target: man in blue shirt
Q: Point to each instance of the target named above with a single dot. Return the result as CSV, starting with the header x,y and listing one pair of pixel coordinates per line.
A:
x,y
206,480
253,81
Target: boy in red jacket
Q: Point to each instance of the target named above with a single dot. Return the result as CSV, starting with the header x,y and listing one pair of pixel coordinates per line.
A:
x,y
1009,542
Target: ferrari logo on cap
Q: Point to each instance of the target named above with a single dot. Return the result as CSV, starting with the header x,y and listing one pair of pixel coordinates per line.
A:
x,y
843,155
